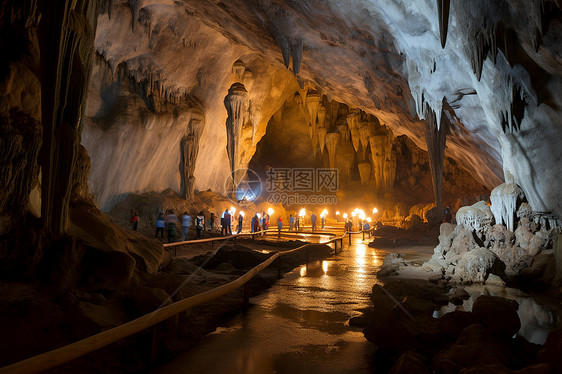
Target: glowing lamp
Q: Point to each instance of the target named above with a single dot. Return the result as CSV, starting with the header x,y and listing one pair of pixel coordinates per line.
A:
x,y
338,213
242,213
302,213
375,210
345,215
270,211
324,213
369,219
232,210
258,214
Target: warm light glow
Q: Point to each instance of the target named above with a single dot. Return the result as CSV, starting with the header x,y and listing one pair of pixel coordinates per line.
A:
x,y
375,210
302,213
324,213
325,266
353,214
345,215
259,215
242,213
303,271
232,210
360,213
270,211
369,219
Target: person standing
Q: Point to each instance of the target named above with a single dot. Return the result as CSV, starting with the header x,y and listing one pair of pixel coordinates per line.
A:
x,y
240,221
279,226
323,220
200,224
313,221
160,224
171,225
256,223
228,222
291,222
266,222
185,224
135,220
213,219
448,216
298,223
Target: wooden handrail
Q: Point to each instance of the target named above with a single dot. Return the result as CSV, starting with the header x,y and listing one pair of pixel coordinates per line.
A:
x,y
214,239
59,356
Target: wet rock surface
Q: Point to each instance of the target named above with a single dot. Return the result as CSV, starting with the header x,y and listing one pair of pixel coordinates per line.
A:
x,y
409,339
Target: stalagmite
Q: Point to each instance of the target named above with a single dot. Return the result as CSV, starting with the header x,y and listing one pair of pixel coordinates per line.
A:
x,y
364,172
236,103
332,140
504,203
443,12
475,218
322,138
435,139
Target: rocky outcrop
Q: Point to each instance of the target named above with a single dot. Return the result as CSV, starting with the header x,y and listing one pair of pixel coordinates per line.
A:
x,y
477,247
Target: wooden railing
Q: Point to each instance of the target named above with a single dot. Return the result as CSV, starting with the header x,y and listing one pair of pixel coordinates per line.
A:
x,y
59,356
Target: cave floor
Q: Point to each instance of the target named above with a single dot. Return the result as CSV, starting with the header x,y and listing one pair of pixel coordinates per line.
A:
x,y
301,324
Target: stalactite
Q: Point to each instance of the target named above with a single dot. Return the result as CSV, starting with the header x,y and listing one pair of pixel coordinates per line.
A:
x,y
389,170
443,11
435,139
321,116
322,138
364,172
236,103
332,140
365,133
353,120
296,51
377,143
238,68
313,100
345,159
504,203
135,6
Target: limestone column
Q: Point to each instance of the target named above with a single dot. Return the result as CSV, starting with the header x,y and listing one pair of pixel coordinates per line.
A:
x,y
236,103
435,139
189,152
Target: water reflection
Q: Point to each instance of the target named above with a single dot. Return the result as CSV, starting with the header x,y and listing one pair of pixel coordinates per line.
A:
x,y
325,267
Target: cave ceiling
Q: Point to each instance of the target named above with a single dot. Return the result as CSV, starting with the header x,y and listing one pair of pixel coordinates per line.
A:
x,y
489,68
